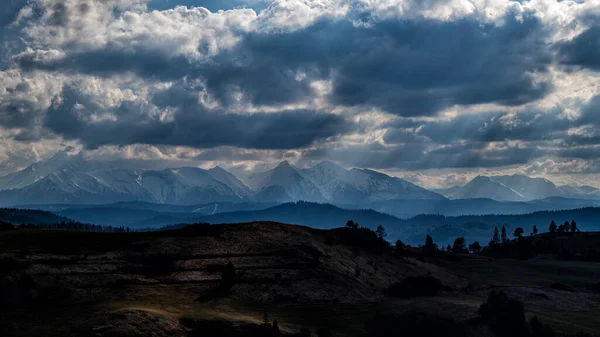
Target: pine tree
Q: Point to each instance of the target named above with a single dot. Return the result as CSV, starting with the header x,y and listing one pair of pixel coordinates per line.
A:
x,y
430,246
380,232
552,228
573,226
496,238
535,230
504,236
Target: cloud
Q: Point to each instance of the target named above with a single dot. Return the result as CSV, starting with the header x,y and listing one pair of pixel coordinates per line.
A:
x,y
73,116
583,50
386,84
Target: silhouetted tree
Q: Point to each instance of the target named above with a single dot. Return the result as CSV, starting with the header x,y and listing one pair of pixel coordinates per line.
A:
x,y
265,318
351,224
459,245
475,247
448,248
430,246
275,328
380,232
496,238
518,233
564,228
504,236
552,228
535,230
400,248
573,226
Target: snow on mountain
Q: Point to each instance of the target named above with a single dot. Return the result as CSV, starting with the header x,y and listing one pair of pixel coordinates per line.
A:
x,y
73,179
284,183
360,185
230,180
520,188
530,188
64,186
487,187
37,171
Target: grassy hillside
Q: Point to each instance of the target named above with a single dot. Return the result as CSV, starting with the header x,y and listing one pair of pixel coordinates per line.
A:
x,y
174,283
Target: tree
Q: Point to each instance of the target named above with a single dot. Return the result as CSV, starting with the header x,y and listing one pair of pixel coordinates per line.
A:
x,y
265,318
564,228
275,328
380,232
475,247
504,236
448,248
351,224
535,230
459,245
552,228
430,246
518,233
573,226
496,238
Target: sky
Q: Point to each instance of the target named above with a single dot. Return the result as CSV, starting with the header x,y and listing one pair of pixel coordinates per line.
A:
x,y
435,91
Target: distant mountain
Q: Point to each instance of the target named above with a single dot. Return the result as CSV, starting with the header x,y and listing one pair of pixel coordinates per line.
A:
x,y
67,179
360,186
480,206
487,187
284,183
182,186
305,213
29,216
518,188
329,182
145,215
37,171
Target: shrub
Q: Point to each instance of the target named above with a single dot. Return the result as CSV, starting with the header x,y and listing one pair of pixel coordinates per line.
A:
x,y
228,277
505,316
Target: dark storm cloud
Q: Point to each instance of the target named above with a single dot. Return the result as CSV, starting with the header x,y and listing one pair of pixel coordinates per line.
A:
x,y
190,126
583,50
110,61
464,141
528,126
9,42
409,67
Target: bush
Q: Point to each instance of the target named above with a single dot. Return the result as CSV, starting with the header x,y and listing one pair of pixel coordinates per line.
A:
x,y
505,316
418,286
228,277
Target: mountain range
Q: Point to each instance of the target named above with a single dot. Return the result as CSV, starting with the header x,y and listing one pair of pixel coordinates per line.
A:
x,y
73,179
517,188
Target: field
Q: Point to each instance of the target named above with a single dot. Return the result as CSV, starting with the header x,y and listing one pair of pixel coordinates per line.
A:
x,y
63,283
